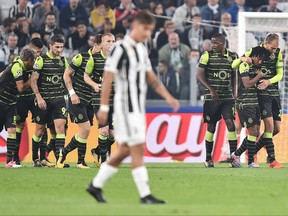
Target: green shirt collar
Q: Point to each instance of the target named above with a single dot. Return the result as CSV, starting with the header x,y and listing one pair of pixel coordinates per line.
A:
x,y
90,51
52,57
102,54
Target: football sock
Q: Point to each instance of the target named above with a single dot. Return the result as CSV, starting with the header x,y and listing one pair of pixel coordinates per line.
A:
x,y
43,146
51,145
242,148
251,140
71,146
11,141
59,143
141,179
232,138
35,147
17,144
105,173
260,144
82,146
269,146
102,144
109,144
209,145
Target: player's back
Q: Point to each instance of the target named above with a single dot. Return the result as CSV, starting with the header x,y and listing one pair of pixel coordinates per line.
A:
x,y
129,61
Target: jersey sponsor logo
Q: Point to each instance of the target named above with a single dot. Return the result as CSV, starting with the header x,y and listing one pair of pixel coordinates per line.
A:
x,y
54,79
223,75
265,71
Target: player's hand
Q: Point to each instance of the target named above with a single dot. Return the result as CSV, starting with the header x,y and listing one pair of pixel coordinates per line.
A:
x,y
173,103
75,99
246,59
214,95
102,117
98,87
41,103
263,84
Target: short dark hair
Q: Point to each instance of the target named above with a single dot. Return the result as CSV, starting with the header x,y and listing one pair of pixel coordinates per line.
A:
x,y
50,14
37,42
120,35
27,54
20,14
271,37
98,39
145,18
259,52
58,38
220,37
8,21
80,22
164,62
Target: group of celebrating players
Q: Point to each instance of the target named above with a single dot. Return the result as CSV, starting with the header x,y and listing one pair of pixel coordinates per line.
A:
x,y
257,97
38,83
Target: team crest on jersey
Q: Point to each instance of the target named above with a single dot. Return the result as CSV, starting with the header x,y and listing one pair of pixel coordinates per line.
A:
x,y
264,112
250,120
80,116
208,118
61,63
38,118
272,56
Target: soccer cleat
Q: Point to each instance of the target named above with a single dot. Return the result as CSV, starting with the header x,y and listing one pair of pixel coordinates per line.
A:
x,y
66,165
37,163
151,200
252,165
47,163
96,193
209,164
60,161
10,164
97,156
17,164
82,165
276,165
235,161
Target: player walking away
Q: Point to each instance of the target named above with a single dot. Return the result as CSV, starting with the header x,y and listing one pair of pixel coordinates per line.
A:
x,y
80,105
11,84
268,95
48,87
216,74
247,103
94,77
25,102
130,64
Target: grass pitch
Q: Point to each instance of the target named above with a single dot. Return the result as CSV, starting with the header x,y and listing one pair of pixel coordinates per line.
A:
x,y
189,189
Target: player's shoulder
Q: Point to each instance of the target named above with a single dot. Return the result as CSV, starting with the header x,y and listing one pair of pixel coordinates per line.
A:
x,y
38,63
244,67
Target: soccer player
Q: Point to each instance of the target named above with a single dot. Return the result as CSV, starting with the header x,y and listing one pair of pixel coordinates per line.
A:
x,y
217,76
247,103
94,77
130,64
48,87
11,84
25,102
80,106
268,95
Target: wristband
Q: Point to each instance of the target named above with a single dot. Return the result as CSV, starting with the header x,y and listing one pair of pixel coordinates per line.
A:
x,y
71,92
104,108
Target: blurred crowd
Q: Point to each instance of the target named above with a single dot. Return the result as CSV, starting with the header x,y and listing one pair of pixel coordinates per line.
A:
x,y
181,35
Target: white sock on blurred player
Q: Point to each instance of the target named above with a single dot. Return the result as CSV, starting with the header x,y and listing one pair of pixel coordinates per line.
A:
x,y
105,173
141,179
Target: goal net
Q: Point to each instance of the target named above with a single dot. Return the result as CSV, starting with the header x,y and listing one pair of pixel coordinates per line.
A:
x,y
251,30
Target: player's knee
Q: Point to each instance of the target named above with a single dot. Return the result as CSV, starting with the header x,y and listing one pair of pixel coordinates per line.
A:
x,y
276,129
39,130
211,128
230,125
104,132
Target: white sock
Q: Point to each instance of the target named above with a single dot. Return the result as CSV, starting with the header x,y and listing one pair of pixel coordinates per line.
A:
x,y
141,179
105,173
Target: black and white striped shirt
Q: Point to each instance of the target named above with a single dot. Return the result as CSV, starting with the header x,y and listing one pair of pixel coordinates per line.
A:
x,y
14,10
129,61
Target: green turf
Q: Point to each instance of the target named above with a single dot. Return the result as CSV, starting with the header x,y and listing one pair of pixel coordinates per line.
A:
x,y
189,189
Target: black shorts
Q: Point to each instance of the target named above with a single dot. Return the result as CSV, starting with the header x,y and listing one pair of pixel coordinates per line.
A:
x,y
110,121
56,109
80,113
24,105
249,116
214,111
270,106
7,116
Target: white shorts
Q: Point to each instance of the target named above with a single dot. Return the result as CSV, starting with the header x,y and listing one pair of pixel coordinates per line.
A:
x,y
130,129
